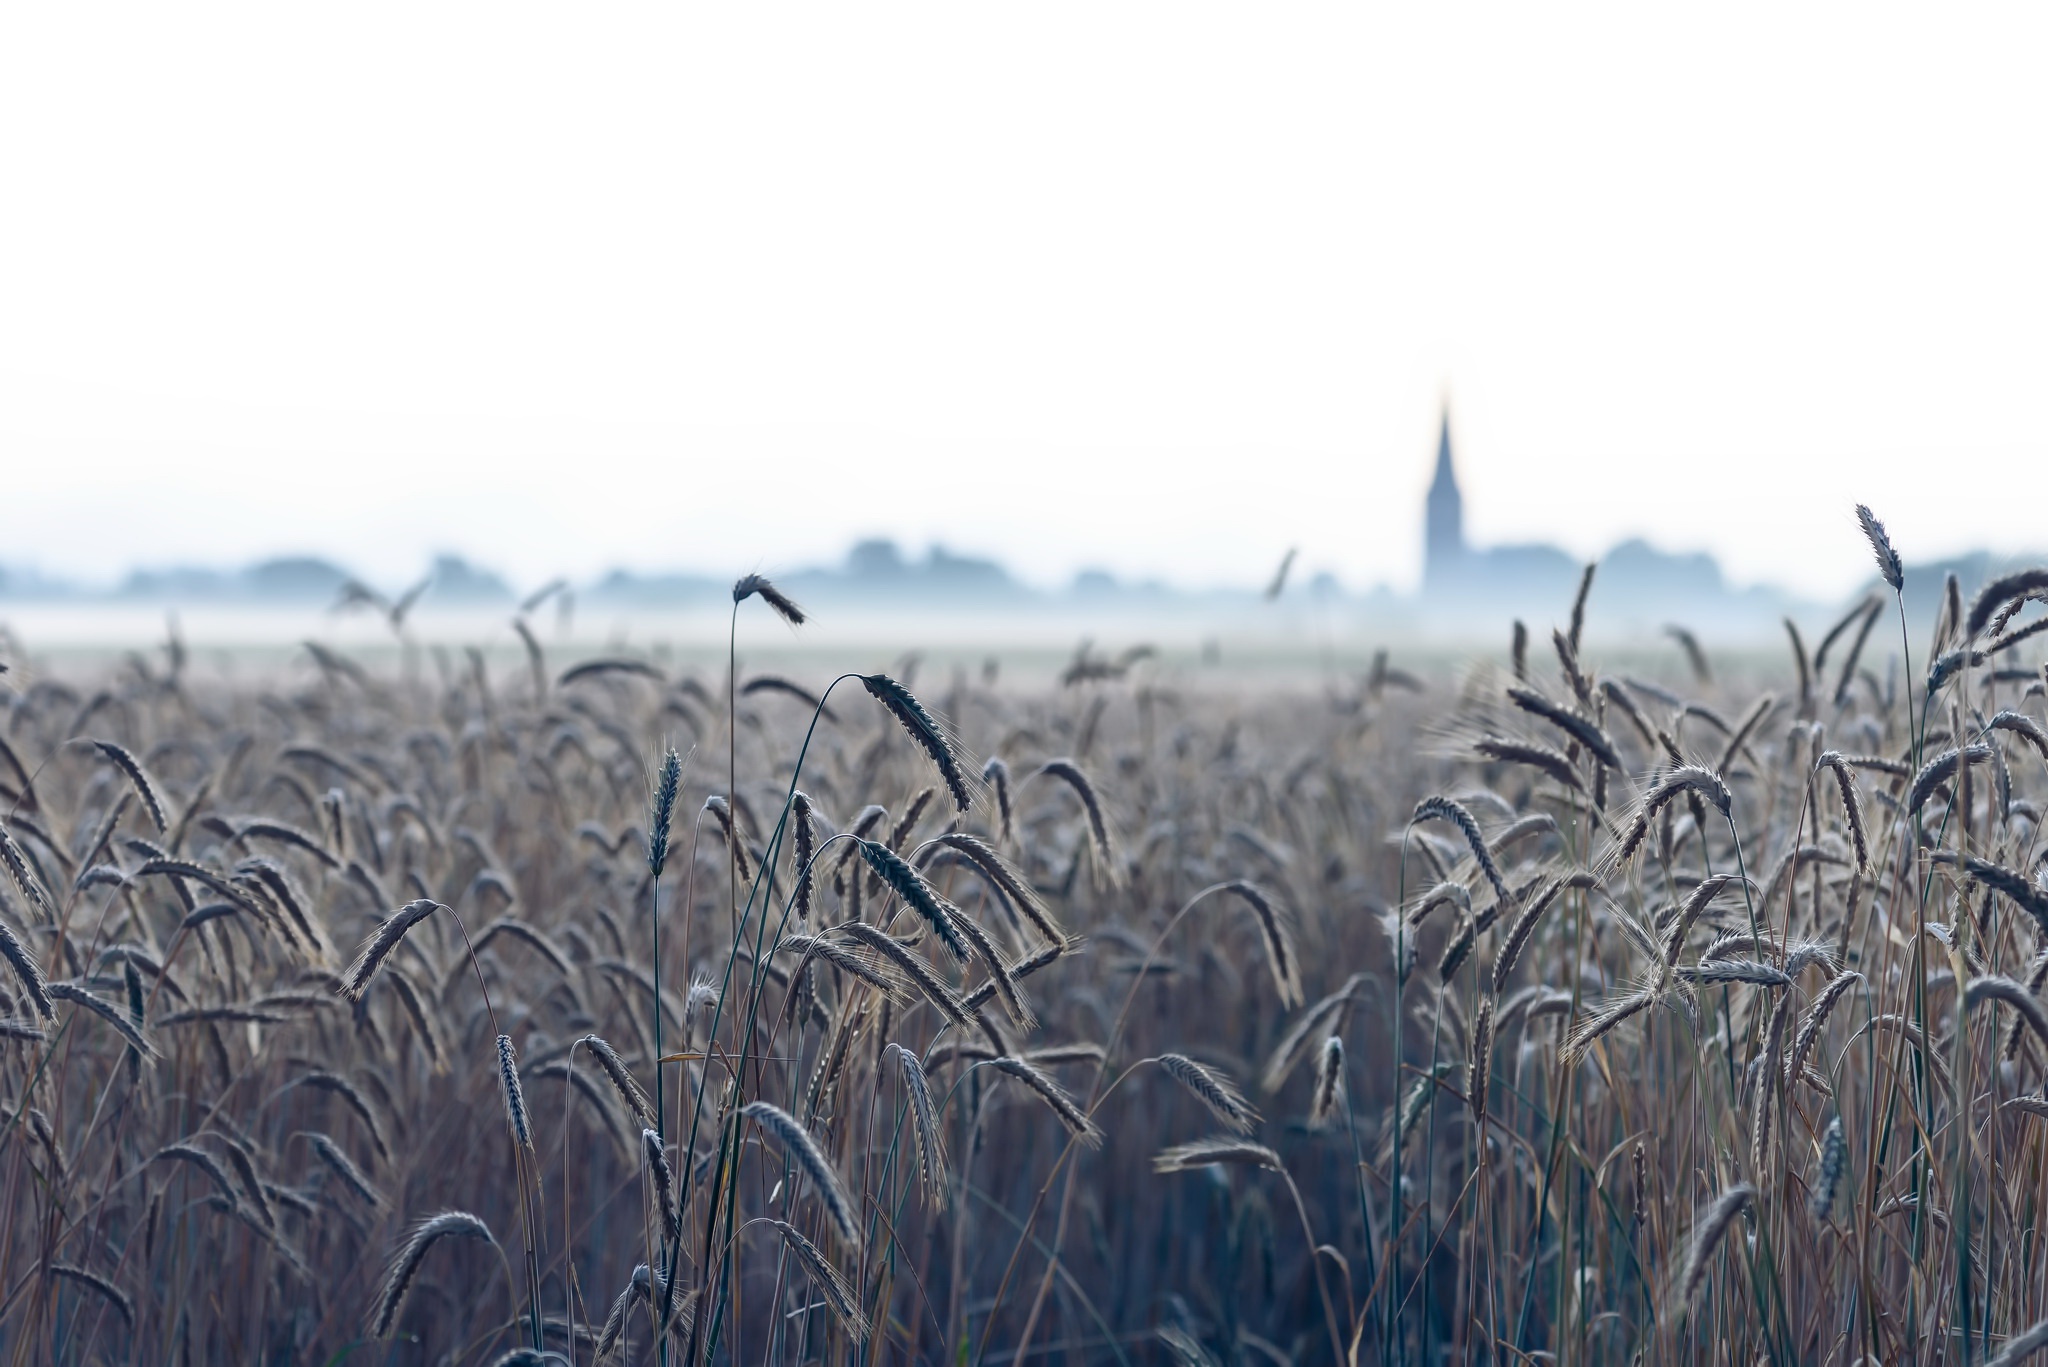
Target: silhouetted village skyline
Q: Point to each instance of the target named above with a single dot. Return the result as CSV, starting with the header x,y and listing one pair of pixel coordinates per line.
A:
x,y
1637,586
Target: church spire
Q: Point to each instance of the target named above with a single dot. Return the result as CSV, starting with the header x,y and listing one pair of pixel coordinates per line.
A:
x,y
1446,477
1444,516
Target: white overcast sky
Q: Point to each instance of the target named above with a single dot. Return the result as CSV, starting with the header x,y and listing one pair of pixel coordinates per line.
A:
x,y
1162,288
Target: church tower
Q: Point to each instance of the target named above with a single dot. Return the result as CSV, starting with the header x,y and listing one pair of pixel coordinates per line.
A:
x,y
1444,522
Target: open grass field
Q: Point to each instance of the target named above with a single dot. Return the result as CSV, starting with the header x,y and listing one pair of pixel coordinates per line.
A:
x,y
607,1011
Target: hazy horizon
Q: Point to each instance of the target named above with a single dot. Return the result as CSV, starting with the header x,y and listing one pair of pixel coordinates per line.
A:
x,y
142,576
1165,290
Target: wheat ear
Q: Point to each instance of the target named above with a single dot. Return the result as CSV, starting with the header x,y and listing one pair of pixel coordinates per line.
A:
x,y
796,1141
405,1265
1707,1235
381,942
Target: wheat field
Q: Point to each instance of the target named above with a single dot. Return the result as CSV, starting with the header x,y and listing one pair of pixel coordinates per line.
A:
x,y
588,1011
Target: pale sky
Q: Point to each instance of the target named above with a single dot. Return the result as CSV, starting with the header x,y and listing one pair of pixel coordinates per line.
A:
x,y
1162,288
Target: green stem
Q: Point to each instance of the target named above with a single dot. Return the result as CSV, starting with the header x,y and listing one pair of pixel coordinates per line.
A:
x,y
756,974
